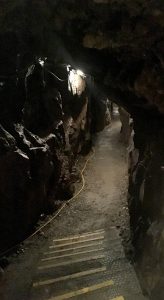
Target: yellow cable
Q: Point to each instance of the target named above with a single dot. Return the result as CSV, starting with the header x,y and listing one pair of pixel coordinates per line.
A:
x,y
61,208
68,201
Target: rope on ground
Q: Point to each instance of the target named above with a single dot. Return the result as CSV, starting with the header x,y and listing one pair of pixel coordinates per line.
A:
x,y
60,209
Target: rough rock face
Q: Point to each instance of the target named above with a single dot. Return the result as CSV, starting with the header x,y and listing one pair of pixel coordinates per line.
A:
x,y
146,203
125,126
145,196
44,126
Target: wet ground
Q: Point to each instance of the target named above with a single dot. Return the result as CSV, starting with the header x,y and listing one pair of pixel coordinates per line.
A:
x,y
80,255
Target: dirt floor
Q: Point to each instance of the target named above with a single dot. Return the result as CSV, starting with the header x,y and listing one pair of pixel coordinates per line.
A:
x,y
102,204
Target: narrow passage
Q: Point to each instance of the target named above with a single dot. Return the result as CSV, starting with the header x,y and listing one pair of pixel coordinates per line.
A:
x,y
82,256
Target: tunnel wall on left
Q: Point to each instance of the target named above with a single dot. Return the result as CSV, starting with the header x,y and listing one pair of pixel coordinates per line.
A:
x,y
43,127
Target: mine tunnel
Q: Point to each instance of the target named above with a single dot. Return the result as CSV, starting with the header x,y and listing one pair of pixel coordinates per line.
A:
x,y
81,149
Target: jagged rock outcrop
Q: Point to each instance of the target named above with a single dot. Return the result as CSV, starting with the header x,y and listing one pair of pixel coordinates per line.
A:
x,y
45,124
146,200
125,131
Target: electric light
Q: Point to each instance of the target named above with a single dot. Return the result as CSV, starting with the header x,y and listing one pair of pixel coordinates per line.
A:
x,y
80,73
41,62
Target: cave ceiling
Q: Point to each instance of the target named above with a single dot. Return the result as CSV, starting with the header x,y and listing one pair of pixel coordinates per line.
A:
x,y
119,42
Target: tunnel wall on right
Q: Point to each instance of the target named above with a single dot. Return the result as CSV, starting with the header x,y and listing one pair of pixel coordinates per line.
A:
x,y
146,199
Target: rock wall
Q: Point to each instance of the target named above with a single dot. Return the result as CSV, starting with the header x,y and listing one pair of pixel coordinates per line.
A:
x,y
146,195
125,126
43,127
145,135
